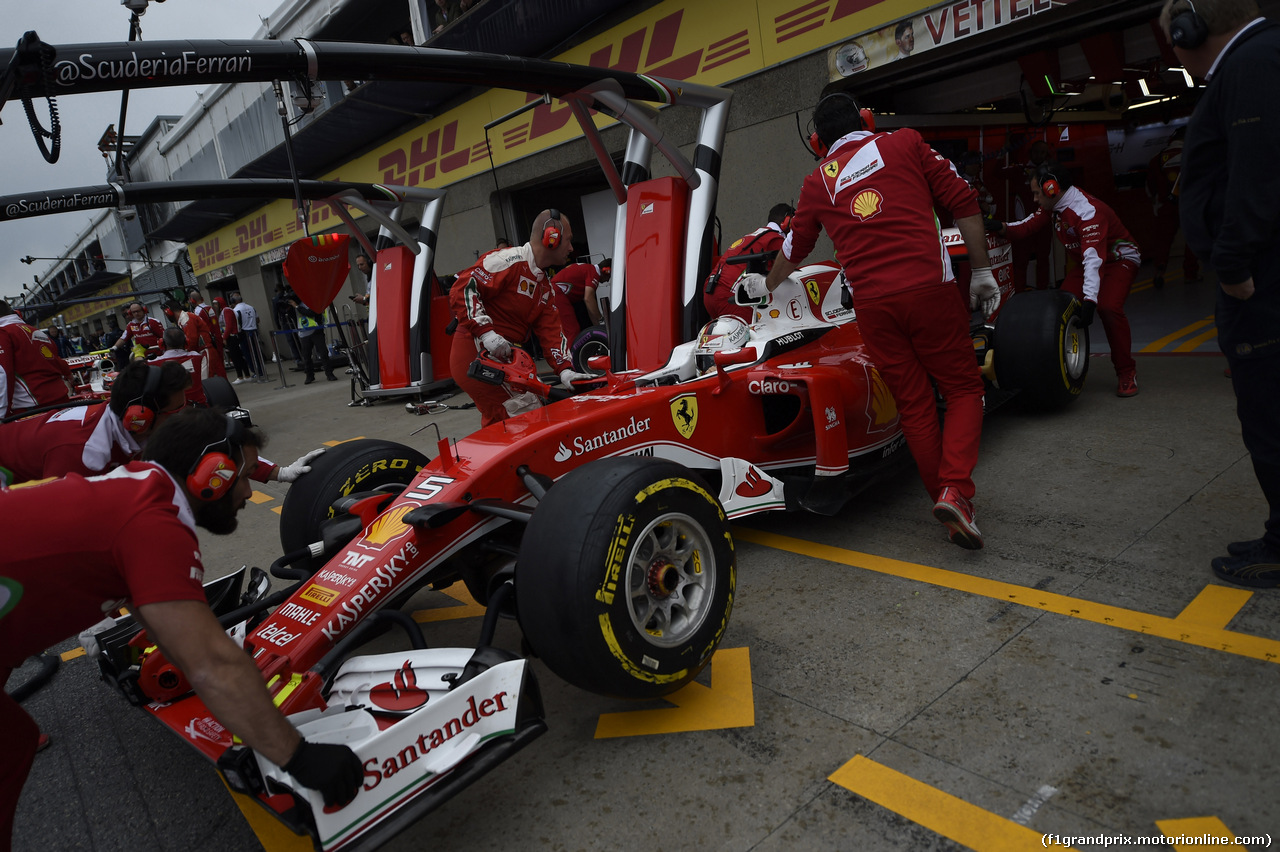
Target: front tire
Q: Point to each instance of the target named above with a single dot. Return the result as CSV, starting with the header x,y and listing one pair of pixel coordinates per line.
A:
x,y
363,465
591,342
625,577
1042,348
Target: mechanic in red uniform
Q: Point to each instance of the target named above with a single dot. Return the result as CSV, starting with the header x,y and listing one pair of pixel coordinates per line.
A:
x,y
576,285
141,329
1037,246
93,439
31,373
717,295
135,545
1107,260
202,309
875,194
500,300
175,343
231,337
196,332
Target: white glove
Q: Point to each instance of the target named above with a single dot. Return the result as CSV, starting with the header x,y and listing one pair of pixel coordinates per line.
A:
x,y
497,345
751,289
984,292
301,466
568,377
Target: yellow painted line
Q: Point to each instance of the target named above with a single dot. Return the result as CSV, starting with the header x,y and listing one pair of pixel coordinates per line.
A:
x,y
1157,345
260,497
466,608
941,813
1195,829
67,656
343,441
1178,629
1192,344
727,703
1215,606
277,509
271,833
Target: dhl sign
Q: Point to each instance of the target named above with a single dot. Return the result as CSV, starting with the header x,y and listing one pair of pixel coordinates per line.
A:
x,y
710,42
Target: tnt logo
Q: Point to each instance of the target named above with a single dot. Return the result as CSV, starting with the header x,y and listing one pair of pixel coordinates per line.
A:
x,y
356,560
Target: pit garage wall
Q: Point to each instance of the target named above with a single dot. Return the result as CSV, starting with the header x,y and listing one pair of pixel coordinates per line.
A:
x,y
773,53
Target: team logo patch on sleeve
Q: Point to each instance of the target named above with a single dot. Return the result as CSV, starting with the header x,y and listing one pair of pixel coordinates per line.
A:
x,y
526,287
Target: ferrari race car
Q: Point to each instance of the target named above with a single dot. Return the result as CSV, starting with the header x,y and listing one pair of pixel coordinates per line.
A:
x,y
600,520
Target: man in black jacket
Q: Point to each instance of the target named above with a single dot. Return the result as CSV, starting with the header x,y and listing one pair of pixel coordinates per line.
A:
x,y
1230,218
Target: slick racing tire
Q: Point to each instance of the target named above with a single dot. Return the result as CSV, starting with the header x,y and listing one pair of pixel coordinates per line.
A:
x,y
1042,348
591,342
625,577
220,394
363,465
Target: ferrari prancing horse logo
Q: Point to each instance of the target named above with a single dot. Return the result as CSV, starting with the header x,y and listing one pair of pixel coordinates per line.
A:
x,y
684,414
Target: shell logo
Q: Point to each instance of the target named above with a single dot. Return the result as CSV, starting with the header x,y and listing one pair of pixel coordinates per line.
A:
x,y
389,526
882,410
46,352
867,204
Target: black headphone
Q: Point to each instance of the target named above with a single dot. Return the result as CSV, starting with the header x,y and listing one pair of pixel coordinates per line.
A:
x,y
215,471
1187,29
551,231
866,121
140,414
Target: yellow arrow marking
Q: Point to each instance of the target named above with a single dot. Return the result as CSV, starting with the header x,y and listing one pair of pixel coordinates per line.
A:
x,y
1194,828
1188,630
942,813
343,441
260,497
271,832
727,703
466,608
279,510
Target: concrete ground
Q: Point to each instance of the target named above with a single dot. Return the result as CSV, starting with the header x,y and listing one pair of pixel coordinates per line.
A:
x,y
877,689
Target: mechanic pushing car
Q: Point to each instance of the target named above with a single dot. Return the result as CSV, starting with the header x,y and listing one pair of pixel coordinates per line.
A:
x,y
31,372
717,295
93,439
875,195
1107,260
141,550
499,301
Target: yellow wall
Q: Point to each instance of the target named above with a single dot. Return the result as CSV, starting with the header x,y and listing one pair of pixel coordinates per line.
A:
x,y
709,41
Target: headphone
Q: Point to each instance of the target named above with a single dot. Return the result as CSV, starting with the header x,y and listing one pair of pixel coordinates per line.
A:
x,y
551,230
866,121
1187,29
785,224
215,471
140,414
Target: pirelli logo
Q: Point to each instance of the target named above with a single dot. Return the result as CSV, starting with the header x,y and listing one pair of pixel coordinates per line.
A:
x,y
319,595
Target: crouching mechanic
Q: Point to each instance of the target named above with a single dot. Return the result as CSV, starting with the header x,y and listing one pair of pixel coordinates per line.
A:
x,y
875,194
500,300
142,551
93,439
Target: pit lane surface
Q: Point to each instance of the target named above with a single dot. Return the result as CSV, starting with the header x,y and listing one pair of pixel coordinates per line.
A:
x,y
1084,675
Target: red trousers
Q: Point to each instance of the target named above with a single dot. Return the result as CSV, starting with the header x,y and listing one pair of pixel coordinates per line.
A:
x,y
488,398
1040,246
915,336
18,736
1117,279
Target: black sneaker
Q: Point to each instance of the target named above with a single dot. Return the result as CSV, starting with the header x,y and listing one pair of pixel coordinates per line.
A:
x,y
1258,569
331,377
1243,548
309,380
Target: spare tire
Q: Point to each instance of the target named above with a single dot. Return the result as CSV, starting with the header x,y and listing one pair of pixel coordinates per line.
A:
x,y
1042,348
363,465
220,394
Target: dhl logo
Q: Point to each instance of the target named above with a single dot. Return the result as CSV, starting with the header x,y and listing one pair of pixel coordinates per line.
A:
x,y
424,157
389,526
808,17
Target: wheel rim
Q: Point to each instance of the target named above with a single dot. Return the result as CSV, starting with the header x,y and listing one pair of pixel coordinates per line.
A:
x,y
593,349
671,580
1074,351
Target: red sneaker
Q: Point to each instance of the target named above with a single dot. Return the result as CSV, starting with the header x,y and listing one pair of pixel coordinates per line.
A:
x,y
957,513
1128,385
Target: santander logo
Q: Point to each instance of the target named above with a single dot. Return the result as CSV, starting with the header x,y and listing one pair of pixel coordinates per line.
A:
x,y
401,694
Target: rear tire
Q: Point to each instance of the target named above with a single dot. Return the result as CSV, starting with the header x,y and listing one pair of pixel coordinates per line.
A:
x,y
625,578
355,466
1042,348
590,343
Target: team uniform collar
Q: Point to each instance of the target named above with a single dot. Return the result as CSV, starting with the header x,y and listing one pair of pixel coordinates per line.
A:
x,y
855,136
1235,38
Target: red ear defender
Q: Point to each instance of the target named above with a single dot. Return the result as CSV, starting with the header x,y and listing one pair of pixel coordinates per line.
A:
x,y
1050,187
868,119
215,471
817,145
141,412
551,231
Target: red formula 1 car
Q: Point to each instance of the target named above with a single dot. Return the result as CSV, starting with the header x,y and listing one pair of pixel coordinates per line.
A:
x,y
601,520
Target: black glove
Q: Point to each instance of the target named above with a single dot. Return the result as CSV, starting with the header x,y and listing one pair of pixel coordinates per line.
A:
x,y
332,769
993,225
1087,308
